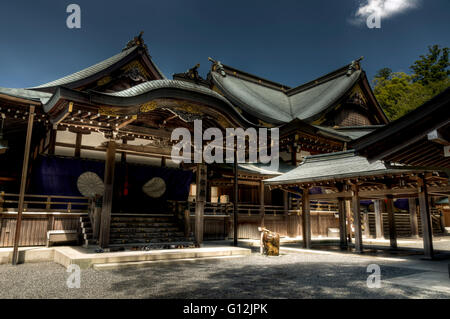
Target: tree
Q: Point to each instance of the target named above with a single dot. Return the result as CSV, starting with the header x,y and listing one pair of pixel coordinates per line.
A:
x,y
432,67
399,93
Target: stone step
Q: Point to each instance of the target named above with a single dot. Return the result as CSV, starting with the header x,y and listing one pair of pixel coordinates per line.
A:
x,y
67,256
143,264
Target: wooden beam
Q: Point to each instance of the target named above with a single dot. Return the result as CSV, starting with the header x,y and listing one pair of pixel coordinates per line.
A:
x,y
379,210
306,219
425,215
413,220
123,124
357,219
108,194
23,182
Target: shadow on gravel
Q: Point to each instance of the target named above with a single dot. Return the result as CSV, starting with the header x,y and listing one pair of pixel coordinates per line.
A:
x,y
241,278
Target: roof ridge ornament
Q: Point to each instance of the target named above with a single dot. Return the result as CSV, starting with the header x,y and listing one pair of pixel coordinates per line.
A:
x,y
218,67
354,66
137,41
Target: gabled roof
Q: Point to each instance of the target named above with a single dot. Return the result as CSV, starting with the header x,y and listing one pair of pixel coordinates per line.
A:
x,y
406,140
89,71
135,50
277,103
332,166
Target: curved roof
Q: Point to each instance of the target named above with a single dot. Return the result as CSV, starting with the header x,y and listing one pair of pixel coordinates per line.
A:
x,y
160,84
330,167
130,98
90,71
42,97
278,105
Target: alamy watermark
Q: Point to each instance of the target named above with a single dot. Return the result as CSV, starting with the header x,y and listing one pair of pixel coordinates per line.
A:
x,y
73,21
374,21
222,150
374,279
74,279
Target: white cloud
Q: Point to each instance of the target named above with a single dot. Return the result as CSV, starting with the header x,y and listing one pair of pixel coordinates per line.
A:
x,y
383,8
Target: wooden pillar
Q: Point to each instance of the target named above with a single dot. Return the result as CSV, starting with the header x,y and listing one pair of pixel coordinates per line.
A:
x,y
357,219
366,223
342,223
306,219
261,202
286,211
379,210
200,202
123,156
414,223
78,144
52,141
391,220
425,216
235,201
105,221
23,182
294,155
348,209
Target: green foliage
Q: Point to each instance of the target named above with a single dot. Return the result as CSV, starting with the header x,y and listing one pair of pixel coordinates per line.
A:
x,y
432,67
399,93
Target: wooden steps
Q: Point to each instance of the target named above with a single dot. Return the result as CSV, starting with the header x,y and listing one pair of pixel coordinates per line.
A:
x,y
127,230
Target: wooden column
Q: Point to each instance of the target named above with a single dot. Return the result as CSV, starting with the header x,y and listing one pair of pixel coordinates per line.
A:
x,y
78,144
379,210
306,219
286,211
52,141
261,202
391,220
342,223
235,201
200,202
413,220
105,220
23,182
425,216
348,210
123,156
357,219
366,223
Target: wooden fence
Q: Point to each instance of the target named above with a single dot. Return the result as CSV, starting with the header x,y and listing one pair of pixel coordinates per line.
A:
x,y
41,213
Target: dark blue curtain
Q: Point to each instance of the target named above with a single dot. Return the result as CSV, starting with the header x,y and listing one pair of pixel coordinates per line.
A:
x,y
58,176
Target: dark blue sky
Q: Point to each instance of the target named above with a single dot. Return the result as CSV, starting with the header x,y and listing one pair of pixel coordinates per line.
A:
x,y
290,42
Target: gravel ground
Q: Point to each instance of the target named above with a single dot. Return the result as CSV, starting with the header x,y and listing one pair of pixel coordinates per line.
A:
x,y
294,275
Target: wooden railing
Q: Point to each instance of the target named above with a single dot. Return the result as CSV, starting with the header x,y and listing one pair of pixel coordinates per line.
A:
x,y
316,206
221,209
45,203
